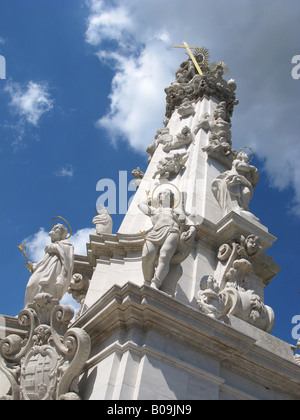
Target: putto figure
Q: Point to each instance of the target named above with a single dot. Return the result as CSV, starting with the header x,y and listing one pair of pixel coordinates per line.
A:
x,y
52,275
168,242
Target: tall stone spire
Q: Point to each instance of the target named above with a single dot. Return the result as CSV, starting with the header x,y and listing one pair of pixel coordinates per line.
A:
x,y
207,230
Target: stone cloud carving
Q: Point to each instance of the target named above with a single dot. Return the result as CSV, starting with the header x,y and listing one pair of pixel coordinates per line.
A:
x,y
171,165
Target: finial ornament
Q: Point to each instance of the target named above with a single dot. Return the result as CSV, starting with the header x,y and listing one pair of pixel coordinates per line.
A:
x,y
199,51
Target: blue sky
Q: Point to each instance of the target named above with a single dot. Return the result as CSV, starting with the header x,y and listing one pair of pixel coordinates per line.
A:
x,y
84,96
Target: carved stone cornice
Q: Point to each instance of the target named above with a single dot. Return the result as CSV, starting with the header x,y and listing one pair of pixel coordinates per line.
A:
x,y
127,317
111,245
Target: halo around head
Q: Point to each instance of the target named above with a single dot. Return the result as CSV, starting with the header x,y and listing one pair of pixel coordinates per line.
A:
x,y
160,187
244,148
59,217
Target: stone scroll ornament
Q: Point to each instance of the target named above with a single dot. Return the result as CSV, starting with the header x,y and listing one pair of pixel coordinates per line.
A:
x,y
46,363
169,241
228,291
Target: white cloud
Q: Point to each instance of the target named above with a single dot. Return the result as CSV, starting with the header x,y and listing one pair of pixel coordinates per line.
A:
x,y
2,41
256,41
36,243
80,239
65,171
106,23
31,102
137,97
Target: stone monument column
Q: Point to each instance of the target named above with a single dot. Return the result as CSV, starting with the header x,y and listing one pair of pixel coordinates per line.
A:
x,y
191,155
172,305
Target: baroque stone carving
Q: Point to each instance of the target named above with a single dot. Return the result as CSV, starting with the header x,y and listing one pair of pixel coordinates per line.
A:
x,y
167,244
171,165
46,365
228,291
78,289
162,137
53,273
234,188
182,139
208,298
169,142
219,126
240,251
186,109
138,176
103,221
191,86
216,123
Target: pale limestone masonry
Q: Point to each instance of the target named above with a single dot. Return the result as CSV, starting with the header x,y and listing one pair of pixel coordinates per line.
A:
x,y
199,329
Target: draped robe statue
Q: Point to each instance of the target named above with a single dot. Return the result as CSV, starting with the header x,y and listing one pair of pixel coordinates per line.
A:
x,y
52,275
233,189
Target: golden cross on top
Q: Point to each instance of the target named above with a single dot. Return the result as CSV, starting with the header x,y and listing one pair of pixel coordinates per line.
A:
x,y
188,48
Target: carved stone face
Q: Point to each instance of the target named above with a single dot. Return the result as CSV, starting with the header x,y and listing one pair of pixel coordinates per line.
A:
x,y
252,245
166,198
58,233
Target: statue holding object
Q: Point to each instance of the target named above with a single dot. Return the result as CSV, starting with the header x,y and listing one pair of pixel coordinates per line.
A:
x,y
167,244
234,188
52,275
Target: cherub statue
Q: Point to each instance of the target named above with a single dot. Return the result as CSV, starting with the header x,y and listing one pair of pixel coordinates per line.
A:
x,y
209,300
168,242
